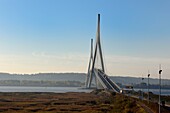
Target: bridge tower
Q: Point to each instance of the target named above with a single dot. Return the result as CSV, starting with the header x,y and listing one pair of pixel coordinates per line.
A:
x,y
96,67
93,60
89,66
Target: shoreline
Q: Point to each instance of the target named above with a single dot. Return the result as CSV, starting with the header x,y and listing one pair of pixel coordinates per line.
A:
x,y
165,92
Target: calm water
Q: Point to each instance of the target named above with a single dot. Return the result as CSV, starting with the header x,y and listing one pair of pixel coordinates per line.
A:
x,y
156,91
65,89
42,89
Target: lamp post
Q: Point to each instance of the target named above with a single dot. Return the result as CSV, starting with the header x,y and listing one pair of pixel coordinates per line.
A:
x,y
148,86
160,71
142,86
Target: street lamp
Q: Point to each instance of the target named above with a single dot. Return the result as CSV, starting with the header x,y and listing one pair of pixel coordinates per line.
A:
x,y
148,86
160,71
142,87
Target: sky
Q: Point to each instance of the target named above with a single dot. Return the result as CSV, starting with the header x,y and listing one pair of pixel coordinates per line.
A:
x,y
54,36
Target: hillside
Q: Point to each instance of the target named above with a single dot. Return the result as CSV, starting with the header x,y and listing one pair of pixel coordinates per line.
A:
x,y
74,77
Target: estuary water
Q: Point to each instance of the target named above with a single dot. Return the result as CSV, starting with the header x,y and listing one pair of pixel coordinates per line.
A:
x,y
156,91
66,89
42,89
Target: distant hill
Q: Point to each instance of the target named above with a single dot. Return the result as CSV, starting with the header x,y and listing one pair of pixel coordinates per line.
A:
x,y
135,80
45,77
75,77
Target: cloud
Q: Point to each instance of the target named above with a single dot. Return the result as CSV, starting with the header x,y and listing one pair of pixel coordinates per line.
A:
x,y
43,62
136,66
75,62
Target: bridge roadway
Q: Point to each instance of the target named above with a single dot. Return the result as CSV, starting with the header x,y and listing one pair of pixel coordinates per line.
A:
x,y
105,81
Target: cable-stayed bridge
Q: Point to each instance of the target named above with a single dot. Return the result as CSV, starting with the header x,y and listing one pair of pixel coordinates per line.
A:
x,y
96,69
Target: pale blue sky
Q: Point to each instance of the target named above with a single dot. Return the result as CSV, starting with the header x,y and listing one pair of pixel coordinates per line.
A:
x,y
54,35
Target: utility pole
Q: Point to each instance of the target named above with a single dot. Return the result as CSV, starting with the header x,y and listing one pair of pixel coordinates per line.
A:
x,y
160,71
148,86
142,86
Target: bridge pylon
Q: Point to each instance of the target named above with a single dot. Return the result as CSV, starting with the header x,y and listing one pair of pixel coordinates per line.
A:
x,y
93,59
102,81
88,78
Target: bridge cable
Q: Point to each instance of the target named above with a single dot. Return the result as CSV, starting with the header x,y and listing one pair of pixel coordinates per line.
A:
x,y
104,58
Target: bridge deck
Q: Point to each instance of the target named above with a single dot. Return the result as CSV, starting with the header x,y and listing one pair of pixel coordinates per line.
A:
x,y
106,81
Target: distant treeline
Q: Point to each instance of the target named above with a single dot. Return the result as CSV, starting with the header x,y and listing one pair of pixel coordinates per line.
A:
x,y
79,77
151,86
69,84
41,83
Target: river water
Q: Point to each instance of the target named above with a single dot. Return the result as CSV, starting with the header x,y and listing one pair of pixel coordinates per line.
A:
x,y
156,91
65,89
42,89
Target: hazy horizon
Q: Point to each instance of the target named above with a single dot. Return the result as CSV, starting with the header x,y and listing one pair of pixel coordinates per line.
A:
x,y
54,36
